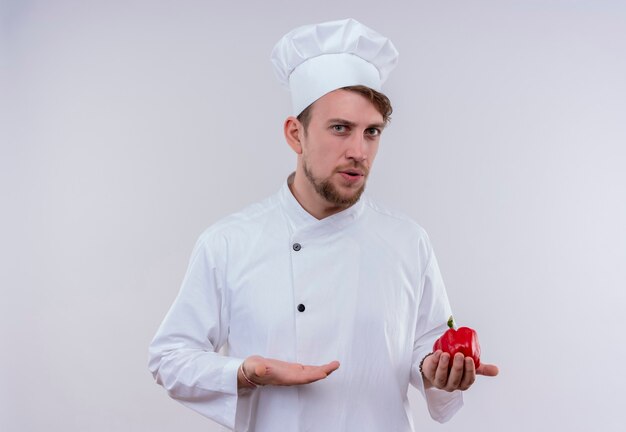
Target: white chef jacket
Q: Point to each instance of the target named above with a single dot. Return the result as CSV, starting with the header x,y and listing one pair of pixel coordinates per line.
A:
x,y
373,299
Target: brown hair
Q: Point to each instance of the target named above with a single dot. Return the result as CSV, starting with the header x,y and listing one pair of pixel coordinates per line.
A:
x,y
379,100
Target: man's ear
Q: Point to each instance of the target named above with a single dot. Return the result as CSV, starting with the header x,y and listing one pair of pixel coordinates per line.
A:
x,y
293,130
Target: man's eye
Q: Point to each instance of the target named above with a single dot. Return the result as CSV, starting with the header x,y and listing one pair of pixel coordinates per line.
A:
x,y
373,132
339,128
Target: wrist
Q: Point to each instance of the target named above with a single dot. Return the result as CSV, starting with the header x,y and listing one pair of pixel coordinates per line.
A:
x,y
243,380
426,381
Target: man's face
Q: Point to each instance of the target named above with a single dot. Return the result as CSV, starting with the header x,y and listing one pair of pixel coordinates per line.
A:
x,y
340,145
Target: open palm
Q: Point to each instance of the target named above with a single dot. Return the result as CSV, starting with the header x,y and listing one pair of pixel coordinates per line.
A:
x,y
266,371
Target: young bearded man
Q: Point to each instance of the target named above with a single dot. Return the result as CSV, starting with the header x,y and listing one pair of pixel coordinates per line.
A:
x,y
317,279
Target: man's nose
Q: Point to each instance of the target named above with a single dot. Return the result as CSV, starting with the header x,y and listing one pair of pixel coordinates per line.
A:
x,y
357,149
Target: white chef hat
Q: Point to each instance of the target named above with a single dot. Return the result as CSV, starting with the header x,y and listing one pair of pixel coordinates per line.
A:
x,y
315,59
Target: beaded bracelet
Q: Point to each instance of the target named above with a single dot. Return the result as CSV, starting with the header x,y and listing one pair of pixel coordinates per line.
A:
x,y
422,363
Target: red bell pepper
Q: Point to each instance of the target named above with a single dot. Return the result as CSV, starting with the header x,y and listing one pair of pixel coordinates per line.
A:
x,y
463,340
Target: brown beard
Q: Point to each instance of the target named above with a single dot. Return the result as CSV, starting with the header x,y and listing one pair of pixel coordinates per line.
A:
x,y
329,192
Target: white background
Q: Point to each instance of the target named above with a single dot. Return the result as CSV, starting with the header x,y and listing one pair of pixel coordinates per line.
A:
x,y
130,126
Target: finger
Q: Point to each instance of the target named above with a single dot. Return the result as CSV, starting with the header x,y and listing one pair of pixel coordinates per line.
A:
x,y
330,367
469,374
488,370
311,374
441,373
429,366
456,373
295,373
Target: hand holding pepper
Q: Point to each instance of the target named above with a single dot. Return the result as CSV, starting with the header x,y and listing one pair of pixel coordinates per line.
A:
x,y
456,361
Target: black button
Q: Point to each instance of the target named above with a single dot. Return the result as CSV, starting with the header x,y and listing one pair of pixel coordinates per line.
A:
x,y
301,307
297,247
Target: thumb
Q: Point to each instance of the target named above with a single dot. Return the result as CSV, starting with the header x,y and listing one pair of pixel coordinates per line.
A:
x,y
255,365
260,369
488,370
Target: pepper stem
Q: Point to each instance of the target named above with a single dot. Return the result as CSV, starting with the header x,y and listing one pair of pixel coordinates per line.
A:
x,y
451,322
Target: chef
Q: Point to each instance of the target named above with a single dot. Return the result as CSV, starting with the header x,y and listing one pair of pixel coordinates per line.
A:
x,y
314,309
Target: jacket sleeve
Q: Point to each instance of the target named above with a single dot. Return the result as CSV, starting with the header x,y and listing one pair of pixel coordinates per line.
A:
x,y
433,313
183,355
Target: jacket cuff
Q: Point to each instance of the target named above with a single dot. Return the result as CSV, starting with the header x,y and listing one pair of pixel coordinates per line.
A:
x,y
443,405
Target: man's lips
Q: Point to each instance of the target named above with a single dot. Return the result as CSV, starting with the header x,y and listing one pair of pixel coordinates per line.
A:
x,y
352,175
352,172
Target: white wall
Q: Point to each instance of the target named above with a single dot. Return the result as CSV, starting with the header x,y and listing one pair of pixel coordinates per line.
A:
x,y
130,126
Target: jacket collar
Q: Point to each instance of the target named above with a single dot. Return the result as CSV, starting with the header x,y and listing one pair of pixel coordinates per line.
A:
x,y
302,221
